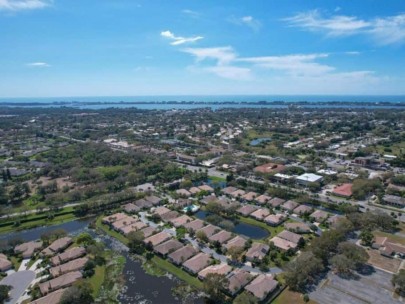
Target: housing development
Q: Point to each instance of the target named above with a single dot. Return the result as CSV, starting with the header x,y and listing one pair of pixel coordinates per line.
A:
x,y
234,205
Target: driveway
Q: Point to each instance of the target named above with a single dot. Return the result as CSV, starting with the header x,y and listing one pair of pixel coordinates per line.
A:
x,y
19,281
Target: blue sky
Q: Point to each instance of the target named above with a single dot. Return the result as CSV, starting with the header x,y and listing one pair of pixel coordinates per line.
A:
x,y
172,47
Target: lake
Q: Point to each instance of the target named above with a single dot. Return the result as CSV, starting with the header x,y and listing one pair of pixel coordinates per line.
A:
x,y
247,230
258,141
139,287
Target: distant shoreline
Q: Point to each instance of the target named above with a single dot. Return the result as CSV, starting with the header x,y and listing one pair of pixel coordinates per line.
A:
x,y
206,103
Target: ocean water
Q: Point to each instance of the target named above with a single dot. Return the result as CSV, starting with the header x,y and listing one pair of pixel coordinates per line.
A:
x,y
235,101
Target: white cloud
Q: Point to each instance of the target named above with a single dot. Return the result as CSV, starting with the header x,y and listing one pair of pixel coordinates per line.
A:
x,y
191,13
249,21
293,64
177,40
223,55
20,5
384,30
334,25
38,65
353,53
389,30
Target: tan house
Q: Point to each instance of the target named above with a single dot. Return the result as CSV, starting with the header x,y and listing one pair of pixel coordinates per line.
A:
x,y
28,249
197,263
222,268
68,255
181,255
158,238
52,298
63,281
262,286
57,246
74,265
168,247
257,252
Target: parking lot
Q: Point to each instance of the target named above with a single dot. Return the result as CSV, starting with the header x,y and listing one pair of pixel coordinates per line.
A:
x,y
373,288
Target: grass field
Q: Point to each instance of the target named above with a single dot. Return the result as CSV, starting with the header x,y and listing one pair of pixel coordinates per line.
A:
x,y
290,297
181,274
395,149
16,262
97,280
217,179
35,220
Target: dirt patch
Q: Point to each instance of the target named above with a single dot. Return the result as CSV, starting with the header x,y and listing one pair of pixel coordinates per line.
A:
x,y
379,261
60,181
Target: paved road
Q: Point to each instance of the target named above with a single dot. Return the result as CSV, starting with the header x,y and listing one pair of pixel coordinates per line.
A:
x,y
19,281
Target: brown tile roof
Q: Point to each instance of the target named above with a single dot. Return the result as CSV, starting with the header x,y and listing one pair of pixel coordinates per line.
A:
x,y
275,219
74,265
297,227
260,214
221,237
63,281
117,225
5,264
229,190
250,196
142,203
28,249
206,188
275,202
210,230
52,298
181,220
261,286
319,215
302,209
290,236
183,254
263,199
194,190
148,231
114,217
289,205
247,209
68,255
161,210
197,263
238,193
153,199
169,215
257,251
130,208
195,225
238,279
57,246
237,241
282,243
218,269
168,247
158,238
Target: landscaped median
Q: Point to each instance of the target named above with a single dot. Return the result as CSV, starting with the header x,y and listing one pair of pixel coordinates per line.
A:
x,y
159,262
37,220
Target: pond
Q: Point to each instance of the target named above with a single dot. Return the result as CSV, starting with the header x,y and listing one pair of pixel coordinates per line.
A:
x,y
248,230
139,287
258,141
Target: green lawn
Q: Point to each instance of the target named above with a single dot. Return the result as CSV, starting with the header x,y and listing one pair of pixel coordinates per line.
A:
x,y
217,179
392,237
111,232
35,220
287,296
97,279
181,274
16,262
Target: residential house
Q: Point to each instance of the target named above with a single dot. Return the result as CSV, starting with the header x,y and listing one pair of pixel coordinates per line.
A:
x,y
168,247
180,221
297,227
57,246
344,190
302,209
183,254
220,237
51,298
63,281
319,216
275,219
195,225
246,210
197,263
28,249
237,241
260,214
238,279
158,238
210,230
5,264
275,202
263,199
68,255
262,286
289,205
73,265
257,252
222,269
